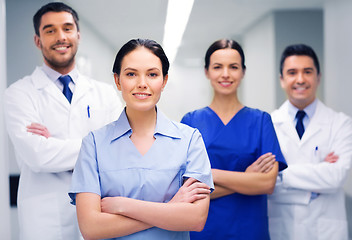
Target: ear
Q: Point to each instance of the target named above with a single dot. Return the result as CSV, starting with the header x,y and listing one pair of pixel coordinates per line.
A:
x,y
117,81
206,72
79,36
282,83
244,72
319,77
165,81
37,41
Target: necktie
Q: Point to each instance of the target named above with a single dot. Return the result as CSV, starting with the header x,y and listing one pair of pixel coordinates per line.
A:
x,y
65,80
299,126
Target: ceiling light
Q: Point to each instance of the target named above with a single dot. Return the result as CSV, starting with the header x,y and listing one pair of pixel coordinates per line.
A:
x,y
178,12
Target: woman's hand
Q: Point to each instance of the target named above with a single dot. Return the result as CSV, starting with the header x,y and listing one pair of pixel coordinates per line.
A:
x,y
191,191
111,204
263,164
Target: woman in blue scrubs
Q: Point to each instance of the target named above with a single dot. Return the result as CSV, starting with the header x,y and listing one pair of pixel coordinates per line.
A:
x,y
142,176
243,150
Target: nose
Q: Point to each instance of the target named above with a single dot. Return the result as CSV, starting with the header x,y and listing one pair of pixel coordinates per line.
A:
x,y
142,83
300,78
225,73
61,35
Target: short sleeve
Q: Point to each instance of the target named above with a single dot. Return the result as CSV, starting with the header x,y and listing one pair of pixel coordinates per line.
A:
x,y
270,143
85,176
198,164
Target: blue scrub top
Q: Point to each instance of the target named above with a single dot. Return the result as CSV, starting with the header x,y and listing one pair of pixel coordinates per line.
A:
x,y
235,146
110,165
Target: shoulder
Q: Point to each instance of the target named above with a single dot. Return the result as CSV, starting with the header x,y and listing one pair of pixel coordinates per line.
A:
x,y
172,128
256,114
195,115
183,129
337,119
23,87
21,84
198,112
280,114
102,134
98,84
102,91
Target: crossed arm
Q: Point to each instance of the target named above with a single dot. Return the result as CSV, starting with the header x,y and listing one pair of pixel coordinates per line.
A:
x,y
120,216
259,178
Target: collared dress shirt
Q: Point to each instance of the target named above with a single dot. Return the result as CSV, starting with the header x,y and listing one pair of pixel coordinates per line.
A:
x,y
309,110
54,76
110,165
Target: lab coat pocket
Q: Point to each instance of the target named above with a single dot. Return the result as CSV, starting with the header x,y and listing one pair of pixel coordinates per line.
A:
x,y
47,215
332,229
97,117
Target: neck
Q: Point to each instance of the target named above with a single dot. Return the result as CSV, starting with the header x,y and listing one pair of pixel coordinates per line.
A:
x,y
225,103
226,106
301,105
62,70
142,122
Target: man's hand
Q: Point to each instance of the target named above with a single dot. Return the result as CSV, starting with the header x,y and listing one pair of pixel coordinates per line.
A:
x,y
331,158
38,129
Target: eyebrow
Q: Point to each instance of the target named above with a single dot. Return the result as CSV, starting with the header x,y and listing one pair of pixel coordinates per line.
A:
x,y
235,63
52,25
294,69
133,69
129,69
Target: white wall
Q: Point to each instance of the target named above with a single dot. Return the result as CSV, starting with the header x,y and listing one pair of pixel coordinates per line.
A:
x,y
338,53
98,56
185,83
5,232
338,62
258,86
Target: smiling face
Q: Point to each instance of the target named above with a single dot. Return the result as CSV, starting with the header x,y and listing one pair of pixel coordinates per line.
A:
x,y
141,80
300,80
58,40
225,71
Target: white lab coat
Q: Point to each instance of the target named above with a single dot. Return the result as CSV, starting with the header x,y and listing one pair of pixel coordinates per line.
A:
x,y
292,212
46,165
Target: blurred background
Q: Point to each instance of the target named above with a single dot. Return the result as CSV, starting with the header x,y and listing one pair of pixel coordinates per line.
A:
x,y
263,28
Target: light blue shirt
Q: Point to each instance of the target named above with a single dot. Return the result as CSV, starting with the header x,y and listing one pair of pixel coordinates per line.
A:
x,y
110,165
54,76
309,110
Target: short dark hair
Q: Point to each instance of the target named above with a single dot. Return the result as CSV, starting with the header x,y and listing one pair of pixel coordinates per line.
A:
x,y
53,7
223,44
299,50
131,45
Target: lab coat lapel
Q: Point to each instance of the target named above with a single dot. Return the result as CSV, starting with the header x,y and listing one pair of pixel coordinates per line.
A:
x,y
83,85
316,124
41,81
283,121
289,129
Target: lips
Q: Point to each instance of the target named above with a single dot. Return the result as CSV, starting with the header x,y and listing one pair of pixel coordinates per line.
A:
x,y
61,47
300,88
225,83
141,95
